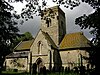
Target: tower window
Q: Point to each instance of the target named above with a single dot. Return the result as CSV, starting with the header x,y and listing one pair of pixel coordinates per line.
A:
x,y
57,17
48,22
62,23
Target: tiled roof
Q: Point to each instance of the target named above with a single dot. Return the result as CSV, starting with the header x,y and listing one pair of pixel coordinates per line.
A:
x,y
24,45
74,40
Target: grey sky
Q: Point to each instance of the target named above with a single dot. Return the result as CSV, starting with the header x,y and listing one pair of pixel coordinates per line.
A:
x,y
33,25
71,15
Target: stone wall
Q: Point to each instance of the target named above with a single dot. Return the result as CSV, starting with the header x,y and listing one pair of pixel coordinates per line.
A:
x,y
21,64
72,58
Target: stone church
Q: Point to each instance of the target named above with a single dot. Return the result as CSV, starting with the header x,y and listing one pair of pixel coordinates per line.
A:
x,y
52,47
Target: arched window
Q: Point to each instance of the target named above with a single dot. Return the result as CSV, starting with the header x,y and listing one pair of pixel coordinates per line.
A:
x,y
39,47
48,22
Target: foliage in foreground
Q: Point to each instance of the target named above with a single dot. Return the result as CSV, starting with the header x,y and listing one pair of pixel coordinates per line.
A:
x,y
25,73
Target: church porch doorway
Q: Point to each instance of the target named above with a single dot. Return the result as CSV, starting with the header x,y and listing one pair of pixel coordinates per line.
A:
x,y
40,64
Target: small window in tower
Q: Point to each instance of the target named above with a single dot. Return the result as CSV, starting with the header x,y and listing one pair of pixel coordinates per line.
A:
x,y
62,23
57,17
48,22
62,33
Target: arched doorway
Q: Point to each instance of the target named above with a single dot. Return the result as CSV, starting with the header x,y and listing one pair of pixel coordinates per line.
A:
x,y
40,64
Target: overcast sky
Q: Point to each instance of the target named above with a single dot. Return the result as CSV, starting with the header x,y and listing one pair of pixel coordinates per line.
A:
x,y
33,25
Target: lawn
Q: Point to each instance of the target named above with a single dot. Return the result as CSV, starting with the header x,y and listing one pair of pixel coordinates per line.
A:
x,y
24,73
14,73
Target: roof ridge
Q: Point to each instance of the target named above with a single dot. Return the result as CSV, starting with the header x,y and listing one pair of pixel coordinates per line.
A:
x,y
75,33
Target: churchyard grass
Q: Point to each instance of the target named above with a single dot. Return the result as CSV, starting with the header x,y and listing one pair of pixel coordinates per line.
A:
x,y
25,73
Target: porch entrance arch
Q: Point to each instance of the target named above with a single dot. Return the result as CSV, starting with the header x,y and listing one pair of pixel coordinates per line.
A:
x,y
40,64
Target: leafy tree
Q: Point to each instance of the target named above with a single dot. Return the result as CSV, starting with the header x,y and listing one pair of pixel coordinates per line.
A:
x,y
92,21
22,37
8,29
27,36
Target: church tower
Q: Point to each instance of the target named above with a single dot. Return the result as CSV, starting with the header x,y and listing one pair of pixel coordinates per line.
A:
x,y
53,22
